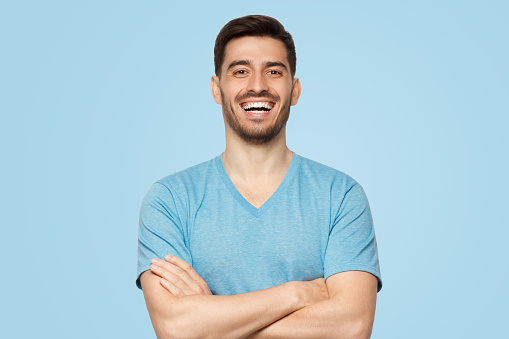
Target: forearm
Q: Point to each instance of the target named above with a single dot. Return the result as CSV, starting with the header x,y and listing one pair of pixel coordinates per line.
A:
x,y
235,316
326,319
348,313
216,316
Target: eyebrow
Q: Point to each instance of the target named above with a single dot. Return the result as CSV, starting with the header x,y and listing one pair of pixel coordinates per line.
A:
x,y
248,63
239,62
275,63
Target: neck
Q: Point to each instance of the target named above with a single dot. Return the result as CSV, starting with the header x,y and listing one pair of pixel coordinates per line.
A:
x,y
250,163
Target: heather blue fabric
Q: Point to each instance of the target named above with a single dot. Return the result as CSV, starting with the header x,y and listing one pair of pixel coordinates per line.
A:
x,y
316,224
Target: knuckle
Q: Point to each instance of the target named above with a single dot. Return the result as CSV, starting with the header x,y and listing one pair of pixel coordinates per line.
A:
x,y
181,273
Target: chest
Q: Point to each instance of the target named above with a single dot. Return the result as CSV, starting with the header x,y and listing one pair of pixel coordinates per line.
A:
x,y
235,252
256,194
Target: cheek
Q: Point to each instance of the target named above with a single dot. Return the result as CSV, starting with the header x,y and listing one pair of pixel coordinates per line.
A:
x,y
283,88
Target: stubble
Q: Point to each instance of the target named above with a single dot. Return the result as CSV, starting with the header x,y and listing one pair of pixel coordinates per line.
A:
x,y
257,134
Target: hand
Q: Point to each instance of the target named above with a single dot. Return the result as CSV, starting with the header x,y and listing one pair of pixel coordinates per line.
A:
x,y
313,291
178,277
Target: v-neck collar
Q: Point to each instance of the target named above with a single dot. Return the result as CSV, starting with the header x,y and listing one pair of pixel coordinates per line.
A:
x,y
256,212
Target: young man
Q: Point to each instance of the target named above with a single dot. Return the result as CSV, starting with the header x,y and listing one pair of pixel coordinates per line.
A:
x,y
258,242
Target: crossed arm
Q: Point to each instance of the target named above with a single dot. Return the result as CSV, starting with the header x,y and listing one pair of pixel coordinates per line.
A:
x,y
181,305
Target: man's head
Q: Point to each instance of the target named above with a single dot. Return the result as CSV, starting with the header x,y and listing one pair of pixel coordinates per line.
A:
x,y
254,79
258,26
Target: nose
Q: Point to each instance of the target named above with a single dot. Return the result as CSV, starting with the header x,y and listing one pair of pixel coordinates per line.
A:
x,y
257,83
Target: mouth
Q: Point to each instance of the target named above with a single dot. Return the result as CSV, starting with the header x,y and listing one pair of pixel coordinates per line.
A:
x,y
257,107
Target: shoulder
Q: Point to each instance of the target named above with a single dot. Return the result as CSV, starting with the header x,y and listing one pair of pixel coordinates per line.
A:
x,y
321,174
184,185
327,182
190,177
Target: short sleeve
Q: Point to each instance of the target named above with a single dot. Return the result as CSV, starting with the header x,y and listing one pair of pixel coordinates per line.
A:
x,y
352,242
161,229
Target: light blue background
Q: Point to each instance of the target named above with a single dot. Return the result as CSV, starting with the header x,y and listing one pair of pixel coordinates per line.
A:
x,y
99,99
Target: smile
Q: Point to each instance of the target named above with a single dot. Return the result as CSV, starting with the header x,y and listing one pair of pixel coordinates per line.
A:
x,y
257,107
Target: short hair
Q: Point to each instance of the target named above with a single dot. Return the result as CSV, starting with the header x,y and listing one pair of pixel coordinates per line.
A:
x,y
254,25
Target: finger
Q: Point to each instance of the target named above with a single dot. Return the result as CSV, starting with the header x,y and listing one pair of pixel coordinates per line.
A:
x,y
172,288
171,274
178,277
191,272
185,266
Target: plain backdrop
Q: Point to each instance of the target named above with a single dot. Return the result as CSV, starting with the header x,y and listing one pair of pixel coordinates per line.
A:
x,y
99,99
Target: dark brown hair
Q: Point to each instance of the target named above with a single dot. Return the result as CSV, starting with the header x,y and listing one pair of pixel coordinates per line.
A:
x,y
253,25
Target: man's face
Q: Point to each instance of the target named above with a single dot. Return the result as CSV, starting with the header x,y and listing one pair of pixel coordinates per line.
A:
x,y
255,88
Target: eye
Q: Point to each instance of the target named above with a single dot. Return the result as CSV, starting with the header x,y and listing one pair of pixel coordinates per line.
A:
x,y
274,72
240,73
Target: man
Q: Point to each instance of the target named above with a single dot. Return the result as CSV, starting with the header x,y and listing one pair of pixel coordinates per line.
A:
x,y
258,242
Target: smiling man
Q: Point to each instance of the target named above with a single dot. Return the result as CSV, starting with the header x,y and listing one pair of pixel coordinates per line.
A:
x,y
258,242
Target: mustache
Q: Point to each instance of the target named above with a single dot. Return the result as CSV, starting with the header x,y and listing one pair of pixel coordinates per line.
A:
x,y
263,95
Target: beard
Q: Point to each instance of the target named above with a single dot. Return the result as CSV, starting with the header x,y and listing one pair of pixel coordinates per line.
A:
x,y
258,134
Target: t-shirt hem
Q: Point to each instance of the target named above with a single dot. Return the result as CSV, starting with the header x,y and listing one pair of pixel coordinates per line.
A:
x,y
355,267
143,269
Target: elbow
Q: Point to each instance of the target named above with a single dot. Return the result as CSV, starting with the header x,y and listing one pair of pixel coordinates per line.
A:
x,y
163,329
360,329
350,329
179,328
171,329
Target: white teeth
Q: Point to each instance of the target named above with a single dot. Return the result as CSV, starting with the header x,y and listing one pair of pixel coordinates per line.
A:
x,y
265,105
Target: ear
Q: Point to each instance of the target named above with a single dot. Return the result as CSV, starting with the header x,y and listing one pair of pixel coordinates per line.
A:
x,y
216,92
296,91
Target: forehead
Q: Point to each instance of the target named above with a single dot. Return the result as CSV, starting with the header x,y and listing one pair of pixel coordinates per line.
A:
x,y
256,49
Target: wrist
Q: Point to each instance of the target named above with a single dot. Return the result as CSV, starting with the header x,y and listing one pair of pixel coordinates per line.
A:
x,y
297,294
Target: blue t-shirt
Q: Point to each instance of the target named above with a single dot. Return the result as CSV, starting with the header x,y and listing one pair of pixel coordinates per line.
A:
x,y
316,224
